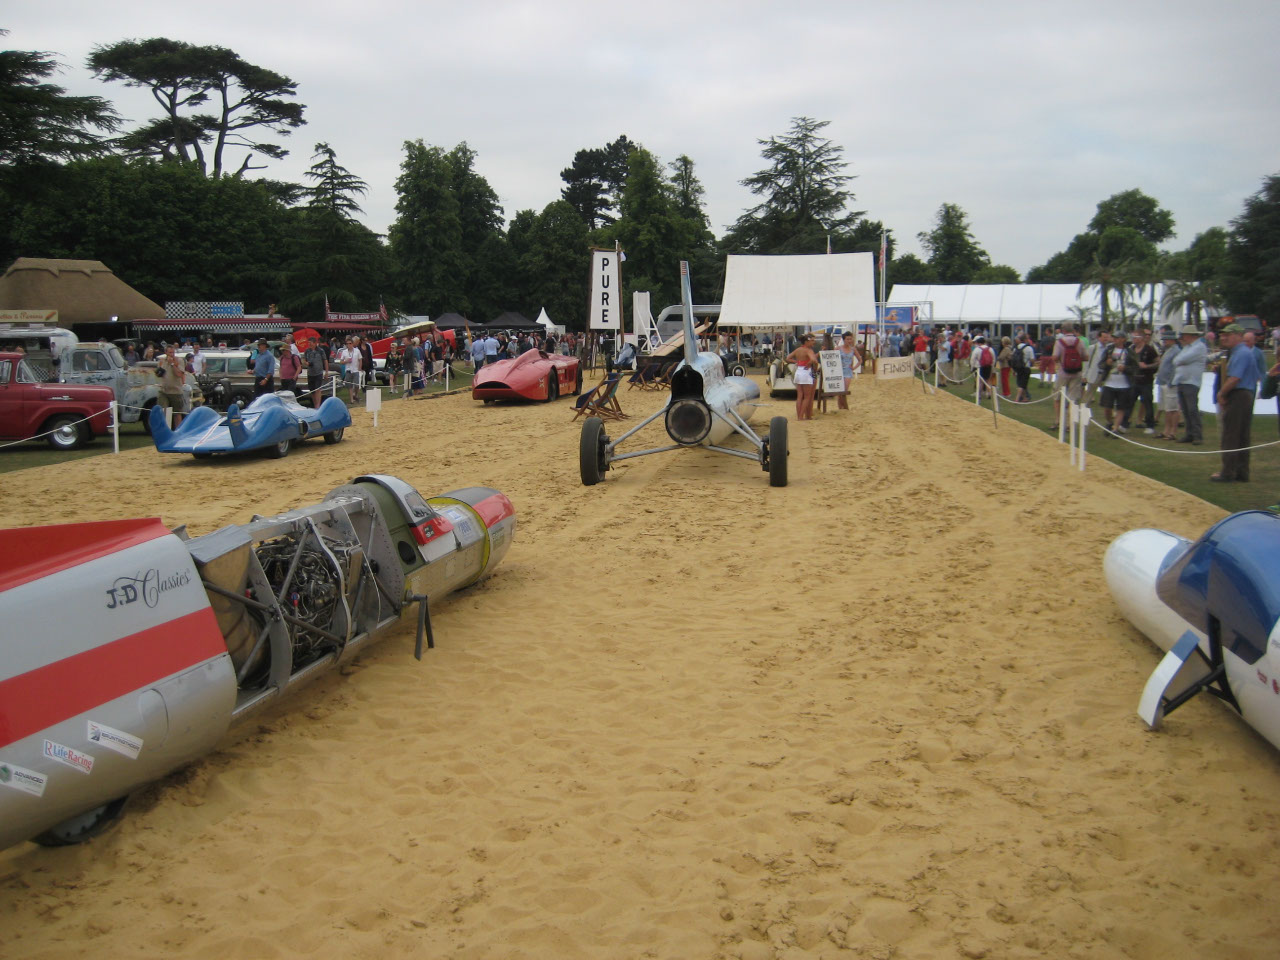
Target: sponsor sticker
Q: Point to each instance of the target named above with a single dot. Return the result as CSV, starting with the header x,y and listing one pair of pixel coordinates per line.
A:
x,y
113,739
72,758
20,778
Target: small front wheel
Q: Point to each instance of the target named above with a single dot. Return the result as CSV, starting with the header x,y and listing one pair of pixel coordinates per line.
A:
x,y
334,436
278,451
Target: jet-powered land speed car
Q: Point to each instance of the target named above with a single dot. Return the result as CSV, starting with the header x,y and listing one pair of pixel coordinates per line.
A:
x,y
704,407
129,649
1214,606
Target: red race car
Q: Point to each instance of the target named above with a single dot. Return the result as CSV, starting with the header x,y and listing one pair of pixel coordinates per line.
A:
x,y
533,375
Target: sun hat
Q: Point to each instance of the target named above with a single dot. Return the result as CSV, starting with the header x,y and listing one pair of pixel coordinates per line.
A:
x,y
1233,328
1192,329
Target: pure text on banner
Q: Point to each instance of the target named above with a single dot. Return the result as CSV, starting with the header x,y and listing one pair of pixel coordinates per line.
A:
x,y
606,290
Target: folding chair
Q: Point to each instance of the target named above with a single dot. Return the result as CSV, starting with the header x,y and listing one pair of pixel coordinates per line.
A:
x,y
583,405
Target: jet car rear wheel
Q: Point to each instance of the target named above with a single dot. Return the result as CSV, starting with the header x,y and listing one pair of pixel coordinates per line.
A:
x,y
591,451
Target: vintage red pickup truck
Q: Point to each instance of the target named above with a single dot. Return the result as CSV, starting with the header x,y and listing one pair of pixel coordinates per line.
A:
x,y
75,413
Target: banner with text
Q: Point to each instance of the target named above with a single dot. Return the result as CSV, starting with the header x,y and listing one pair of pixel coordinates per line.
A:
x,y
606,290
890,368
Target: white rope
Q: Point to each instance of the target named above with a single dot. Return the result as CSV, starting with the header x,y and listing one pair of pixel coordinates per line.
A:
x,y
1191,453
48,433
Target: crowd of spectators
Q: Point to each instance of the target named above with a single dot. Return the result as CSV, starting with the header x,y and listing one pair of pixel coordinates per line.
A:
x,y
1140,377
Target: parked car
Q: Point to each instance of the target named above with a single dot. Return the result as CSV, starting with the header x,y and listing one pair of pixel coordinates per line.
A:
x,y
227,378
29,406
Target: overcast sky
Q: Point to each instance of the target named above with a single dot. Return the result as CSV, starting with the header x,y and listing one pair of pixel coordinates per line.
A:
x,y
1026,114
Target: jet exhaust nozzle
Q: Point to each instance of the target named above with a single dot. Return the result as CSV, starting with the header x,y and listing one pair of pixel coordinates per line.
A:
x,y
688,420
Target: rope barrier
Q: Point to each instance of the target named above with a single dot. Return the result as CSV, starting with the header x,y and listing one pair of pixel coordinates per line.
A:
x,y
1190,453
48,433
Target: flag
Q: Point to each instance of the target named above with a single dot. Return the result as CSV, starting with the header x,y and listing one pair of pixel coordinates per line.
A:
x,y
326,305
382,311
884,246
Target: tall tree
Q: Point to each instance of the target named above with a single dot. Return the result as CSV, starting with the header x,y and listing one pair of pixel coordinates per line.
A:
x,y
804,194
953,253
334,259
1252,282
1189,297
38,120
426,237
1134,209
653,232
594,183
248,101
555,264
690,193
481,243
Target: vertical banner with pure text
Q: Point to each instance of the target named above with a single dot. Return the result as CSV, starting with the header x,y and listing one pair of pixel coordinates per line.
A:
x,y
606,291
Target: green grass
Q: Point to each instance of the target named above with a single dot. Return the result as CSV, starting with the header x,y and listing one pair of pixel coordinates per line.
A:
x,y
1170,462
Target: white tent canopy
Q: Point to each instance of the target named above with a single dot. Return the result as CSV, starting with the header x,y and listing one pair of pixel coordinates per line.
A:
x,y
817,290
978,304
545,321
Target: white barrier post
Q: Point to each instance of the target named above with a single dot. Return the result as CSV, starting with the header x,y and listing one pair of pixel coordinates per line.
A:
x,y
995,405
1062,417
373,403
1074,416
977,390
1085,416
115,427
447,368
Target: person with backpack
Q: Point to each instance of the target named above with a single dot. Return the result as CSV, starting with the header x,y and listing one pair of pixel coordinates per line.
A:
x,y
1069,358
1022,360
984,361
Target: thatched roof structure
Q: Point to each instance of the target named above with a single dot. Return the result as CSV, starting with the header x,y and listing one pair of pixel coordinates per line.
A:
x,y
82,291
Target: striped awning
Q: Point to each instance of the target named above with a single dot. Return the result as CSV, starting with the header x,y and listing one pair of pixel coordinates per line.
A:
x,y
210,325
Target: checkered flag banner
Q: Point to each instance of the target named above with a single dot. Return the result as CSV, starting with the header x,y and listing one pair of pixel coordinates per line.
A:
x,y
204,309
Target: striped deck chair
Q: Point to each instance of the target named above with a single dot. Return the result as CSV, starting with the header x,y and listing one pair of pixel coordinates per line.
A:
x,y
582,406
601,400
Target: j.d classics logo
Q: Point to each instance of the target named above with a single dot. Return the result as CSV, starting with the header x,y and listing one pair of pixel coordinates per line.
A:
x,y
146,587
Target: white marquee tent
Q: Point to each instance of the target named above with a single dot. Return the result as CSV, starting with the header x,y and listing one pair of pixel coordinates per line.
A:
x,y
817,290
1019,304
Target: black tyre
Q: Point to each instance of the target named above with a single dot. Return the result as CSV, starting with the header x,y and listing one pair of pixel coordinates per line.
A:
x,y
737,370
591,451
279,450
67,433
577,381
241,397
201,454
553,386
778,452
334,436
84,827
146,417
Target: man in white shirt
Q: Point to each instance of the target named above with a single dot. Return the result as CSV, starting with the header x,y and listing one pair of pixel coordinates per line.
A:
x,y
197,360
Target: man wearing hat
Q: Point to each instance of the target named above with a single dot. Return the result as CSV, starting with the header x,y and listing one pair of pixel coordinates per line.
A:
x,y
1166,393
264,370
1188,371
1235,401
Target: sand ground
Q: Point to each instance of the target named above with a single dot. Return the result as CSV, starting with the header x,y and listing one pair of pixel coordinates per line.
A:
x,y
886,711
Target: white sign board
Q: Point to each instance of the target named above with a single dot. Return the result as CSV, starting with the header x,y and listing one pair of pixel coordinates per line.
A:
x,y
891,368
832,371
606,291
